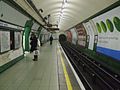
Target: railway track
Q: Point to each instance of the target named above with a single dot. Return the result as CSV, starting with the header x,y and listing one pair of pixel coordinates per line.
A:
x,y
92,73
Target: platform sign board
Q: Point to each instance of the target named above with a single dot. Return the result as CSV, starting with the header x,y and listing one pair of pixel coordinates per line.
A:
x,y
4,41
108,27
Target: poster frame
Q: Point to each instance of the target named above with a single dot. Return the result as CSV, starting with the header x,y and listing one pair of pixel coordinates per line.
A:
x,y
15,41
4,29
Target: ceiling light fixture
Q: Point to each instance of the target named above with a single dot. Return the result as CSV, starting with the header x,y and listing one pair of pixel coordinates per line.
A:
x,y
64,4
41,10
64,1
61,12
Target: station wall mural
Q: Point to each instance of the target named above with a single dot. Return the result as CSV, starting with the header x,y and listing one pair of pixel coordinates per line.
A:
x,y
81,35
108,28
74,36
69,36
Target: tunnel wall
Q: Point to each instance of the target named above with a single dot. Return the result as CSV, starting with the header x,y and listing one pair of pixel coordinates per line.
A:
x,y
11,30
12,15
10,44
99,37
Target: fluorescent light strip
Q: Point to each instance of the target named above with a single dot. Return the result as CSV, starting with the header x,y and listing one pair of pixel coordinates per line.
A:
x,y
61,12
64,1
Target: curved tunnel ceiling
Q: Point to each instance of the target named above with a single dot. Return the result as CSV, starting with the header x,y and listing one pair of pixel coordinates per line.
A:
x,y
74,11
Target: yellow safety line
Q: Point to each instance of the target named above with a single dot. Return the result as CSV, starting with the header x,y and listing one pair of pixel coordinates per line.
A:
x,y
69,86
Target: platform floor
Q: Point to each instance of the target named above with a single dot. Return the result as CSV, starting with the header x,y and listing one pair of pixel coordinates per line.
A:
x,y
45,74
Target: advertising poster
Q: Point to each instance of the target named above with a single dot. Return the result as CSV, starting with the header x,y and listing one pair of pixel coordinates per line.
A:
x,y
90,35
69,36
74,36
4,41
17,41
81,35
108,27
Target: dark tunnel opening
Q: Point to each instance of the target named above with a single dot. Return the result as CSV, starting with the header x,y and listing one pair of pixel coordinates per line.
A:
x,y
62,38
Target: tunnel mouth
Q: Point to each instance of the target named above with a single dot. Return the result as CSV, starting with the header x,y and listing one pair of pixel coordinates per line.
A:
x,y
62,38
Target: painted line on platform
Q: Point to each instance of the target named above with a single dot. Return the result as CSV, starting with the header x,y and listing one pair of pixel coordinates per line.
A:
x,y
75,73
69,85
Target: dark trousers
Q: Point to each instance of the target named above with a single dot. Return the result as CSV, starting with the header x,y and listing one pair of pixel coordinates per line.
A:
x,y
35,58
32,48
50,42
